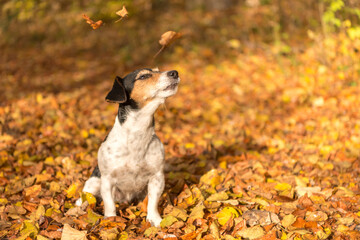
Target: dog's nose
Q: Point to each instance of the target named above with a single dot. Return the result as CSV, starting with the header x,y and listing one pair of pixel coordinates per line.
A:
x,y
174,74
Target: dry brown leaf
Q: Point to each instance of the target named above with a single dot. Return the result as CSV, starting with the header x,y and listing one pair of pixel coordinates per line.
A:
x,y
169,37
166,39
94,25
122,13
70,233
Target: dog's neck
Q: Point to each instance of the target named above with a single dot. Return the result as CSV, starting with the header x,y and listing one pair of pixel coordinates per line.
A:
x,y
130,115
134,128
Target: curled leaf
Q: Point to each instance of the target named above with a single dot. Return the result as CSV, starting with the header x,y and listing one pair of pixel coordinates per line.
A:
x,y
94,25
166,39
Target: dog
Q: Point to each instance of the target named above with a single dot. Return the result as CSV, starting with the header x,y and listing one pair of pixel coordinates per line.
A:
x,y
131,158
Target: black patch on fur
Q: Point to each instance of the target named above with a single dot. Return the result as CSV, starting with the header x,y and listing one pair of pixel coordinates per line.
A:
x,y
128,84
124,108
117,93
106,138
96,172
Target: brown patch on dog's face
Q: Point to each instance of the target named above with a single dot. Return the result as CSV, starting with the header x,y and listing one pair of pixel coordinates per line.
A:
x,y
144,87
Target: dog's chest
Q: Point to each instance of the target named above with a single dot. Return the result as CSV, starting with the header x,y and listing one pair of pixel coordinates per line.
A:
x,y
130,157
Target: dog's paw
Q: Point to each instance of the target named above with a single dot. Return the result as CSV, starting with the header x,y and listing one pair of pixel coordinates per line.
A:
x,y
154,220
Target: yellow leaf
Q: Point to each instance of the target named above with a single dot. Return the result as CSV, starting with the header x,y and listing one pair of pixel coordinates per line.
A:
x,y
189,145
3,201
39,237
123,236
221,196
282,187
151,231
39,98
225,214
211,178
90,198
84,134
92,217
71,191
28,230
223,165
168,221
40,211
49,161
288,220
179,213
198,211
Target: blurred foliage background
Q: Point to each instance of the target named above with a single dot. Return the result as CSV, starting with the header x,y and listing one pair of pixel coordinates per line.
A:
x,y
47,46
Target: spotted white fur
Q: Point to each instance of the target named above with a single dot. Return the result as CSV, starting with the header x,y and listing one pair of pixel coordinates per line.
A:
x,y
131,159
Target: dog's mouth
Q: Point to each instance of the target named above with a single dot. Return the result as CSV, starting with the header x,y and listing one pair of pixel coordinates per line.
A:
x,y
171,86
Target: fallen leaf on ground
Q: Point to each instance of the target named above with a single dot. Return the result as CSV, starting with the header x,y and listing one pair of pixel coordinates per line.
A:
x,y
69,233
251,233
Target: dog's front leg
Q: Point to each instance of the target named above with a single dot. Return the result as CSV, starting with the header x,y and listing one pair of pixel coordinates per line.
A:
x,y
155,189
106,194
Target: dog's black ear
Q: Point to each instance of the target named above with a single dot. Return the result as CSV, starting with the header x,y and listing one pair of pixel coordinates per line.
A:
x,y
117,93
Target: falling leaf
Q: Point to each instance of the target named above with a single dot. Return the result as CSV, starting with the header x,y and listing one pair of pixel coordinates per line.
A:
x,y
122,13
94,25
69,233
167,39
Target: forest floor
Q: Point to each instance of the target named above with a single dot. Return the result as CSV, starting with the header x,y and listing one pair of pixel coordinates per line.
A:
x,y
258,146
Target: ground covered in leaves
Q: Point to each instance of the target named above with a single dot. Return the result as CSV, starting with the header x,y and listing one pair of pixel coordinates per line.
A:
x,y
260,146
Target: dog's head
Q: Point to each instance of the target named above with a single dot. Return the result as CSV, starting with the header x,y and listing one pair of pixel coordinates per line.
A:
x,y
143,86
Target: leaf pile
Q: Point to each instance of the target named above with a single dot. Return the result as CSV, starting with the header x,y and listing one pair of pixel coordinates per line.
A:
x,y
262,146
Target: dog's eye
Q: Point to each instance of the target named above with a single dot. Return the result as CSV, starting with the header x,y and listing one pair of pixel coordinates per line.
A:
x,y
145,76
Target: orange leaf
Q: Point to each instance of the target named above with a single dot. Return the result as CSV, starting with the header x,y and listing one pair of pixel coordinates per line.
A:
x,y
122,13
169,37
94,25
166,39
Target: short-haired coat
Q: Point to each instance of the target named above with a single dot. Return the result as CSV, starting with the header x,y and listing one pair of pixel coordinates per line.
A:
x,y
131,159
